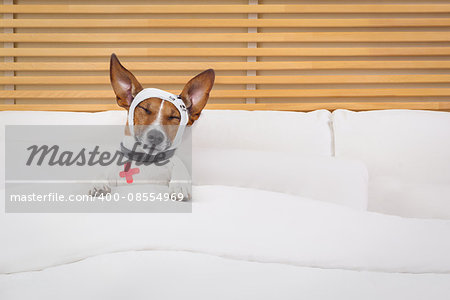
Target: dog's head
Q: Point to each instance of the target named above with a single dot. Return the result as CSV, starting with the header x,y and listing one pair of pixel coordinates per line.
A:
x,y
156,121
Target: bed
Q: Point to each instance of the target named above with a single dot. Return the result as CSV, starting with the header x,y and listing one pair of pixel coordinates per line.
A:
x,y
320,166
287,217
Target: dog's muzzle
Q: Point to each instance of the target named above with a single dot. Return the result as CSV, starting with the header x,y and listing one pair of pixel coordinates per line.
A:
x,y
155,137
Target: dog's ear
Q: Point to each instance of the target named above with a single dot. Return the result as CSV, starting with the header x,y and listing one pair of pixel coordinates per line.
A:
x,y
196,93
124,84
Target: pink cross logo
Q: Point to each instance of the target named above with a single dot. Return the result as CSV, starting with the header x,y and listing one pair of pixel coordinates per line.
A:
x,y
128,173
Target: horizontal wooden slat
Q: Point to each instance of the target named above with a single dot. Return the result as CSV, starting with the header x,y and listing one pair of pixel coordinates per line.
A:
x,y
427,36
230,52
214,9
266,93
197,66
315,79
357,106
224,23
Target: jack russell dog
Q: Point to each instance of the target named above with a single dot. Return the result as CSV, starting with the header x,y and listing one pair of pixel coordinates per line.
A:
x,y
155,125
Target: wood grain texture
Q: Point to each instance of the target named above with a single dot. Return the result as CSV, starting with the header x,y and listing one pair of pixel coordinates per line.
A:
x,y
265,93
224,80
226,23
356,106
227,66
330,37
226,52
234,8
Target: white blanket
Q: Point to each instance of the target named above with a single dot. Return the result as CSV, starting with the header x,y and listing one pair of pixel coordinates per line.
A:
x,y
192,276
237,223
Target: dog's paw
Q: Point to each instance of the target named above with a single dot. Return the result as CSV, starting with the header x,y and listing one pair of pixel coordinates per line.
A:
x,y
100,190
181,188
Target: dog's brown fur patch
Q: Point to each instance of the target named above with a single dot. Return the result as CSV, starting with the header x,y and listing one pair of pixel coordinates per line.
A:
x,y
149,110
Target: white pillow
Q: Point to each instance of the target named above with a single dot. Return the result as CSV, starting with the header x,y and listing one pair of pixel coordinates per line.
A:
x,y
54,118
294,132
410,199
407,154
329,179
113,117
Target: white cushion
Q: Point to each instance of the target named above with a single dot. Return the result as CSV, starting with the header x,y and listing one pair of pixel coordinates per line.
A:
x,y
54,118
113,117
294,132
329,179
425,200
407,154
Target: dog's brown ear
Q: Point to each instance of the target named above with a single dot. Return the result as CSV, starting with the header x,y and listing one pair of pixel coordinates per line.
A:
x,y
196,93
124,84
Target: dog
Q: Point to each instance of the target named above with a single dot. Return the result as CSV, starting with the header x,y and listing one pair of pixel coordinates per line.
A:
x,y
156,120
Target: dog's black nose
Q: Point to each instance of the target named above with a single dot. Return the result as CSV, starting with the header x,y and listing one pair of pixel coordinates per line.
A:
x,y
155,137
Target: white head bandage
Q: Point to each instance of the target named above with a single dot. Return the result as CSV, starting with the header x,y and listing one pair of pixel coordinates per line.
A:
x,y
165,96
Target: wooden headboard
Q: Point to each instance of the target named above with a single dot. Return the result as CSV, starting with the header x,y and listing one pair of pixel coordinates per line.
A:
x,y
266,55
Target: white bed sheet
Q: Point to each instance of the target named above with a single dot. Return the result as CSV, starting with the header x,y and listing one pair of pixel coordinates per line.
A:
x,y
184,275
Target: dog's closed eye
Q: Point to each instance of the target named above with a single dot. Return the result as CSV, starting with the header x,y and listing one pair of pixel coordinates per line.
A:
x,y
145,109
174,118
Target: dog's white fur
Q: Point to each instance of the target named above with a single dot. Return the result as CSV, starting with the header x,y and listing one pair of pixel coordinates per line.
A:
x,y
173,175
